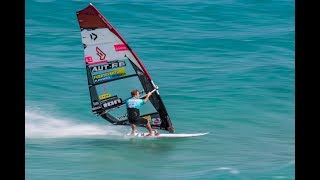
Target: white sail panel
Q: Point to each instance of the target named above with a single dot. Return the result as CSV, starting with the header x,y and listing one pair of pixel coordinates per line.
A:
x,y
98,36
103,45
103,52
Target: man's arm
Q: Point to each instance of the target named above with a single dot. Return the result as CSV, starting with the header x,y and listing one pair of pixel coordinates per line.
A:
x,y
147,98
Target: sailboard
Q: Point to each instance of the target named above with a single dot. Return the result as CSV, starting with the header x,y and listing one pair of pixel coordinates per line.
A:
x,y
113,70
166,135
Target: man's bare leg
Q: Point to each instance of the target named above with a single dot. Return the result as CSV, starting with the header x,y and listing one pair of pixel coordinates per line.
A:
x,y
149,128
133,127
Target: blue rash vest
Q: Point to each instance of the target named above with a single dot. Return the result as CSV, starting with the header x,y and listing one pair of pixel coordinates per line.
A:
x,y
134,103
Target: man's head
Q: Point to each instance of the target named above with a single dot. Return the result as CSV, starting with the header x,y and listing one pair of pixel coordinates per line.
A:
x,y
135,93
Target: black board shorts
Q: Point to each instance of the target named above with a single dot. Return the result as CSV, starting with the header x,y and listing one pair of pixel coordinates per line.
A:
x,y
134,117
138,121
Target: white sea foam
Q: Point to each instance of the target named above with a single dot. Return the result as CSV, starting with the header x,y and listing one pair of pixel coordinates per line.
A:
x,y
231,170
43,125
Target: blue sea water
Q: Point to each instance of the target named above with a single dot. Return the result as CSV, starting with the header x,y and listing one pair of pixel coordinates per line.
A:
x,y
224,67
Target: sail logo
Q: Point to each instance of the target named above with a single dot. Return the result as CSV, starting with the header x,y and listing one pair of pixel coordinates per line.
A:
x,y
109,75
95,103
101,54
120,47
110,65
122,117
112,102
96,108
88,59
93,36
156,121
104,96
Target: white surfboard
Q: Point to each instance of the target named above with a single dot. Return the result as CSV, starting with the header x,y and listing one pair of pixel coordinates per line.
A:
x,y
181,135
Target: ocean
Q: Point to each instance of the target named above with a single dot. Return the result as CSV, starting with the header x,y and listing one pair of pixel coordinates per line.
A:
x,y
226,67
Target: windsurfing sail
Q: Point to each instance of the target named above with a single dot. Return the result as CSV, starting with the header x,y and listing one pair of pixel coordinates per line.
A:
x,y
114,70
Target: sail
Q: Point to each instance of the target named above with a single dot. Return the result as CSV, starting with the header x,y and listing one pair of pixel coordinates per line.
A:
x,y
114,70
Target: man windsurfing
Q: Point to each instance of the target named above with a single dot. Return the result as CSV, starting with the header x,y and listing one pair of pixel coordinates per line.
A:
x,y
133,110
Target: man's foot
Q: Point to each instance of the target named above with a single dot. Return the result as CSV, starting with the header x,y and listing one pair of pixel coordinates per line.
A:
x,y
153,133
133,133
150,134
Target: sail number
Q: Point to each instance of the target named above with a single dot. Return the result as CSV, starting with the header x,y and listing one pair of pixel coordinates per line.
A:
x,y
110,65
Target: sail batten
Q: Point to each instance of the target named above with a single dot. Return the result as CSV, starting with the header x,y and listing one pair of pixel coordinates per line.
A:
x,y
113,70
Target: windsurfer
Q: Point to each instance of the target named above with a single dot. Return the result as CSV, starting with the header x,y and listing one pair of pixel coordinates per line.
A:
x,y
133,105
